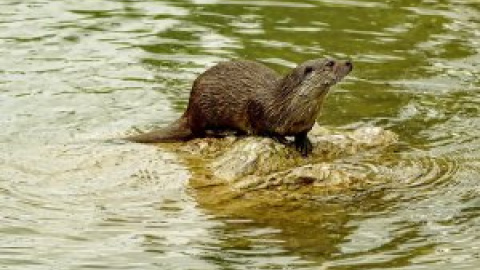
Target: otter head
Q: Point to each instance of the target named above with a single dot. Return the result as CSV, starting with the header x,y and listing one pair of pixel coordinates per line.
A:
x,y
313,78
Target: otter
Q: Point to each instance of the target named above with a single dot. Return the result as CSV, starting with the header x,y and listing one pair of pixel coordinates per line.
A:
x,y
249,98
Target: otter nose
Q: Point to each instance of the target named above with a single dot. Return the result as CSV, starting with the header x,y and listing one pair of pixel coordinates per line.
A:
x,y
349,64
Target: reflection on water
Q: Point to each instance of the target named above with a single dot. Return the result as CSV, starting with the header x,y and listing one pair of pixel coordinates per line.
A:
x,y
75,72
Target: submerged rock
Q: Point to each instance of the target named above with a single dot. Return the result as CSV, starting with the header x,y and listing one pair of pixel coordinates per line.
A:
x,y
244,179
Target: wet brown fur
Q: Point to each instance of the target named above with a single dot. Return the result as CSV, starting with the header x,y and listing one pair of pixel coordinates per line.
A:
x,y
250,98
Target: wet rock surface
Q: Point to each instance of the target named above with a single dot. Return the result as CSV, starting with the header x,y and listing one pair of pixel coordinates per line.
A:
x,y
241,165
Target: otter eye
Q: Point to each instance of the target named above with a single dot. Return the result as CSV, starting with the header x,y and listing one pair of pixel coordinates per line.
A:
x,y
330,63
308,70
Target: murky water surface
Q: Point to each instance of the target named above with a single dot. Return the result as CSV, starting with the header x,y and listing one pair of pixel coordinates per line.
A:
x,y
75,72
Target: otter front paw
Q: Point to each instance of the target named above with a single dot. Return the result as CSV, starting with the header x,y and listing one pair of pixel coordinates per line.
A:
x,y
303,145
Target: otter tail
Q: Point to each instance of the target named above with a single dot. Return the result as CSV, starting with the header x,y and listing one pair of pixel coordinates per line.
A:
x,y
176,131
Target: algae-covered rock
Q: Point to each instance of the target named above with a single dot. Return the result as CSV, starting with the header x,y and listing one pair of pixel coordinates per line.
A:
x,y
258,163
249,156
257,179
316,175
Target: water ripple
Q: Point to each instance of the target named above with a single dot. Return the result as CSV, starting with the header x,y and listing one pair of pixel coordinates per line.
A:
x,y
75,72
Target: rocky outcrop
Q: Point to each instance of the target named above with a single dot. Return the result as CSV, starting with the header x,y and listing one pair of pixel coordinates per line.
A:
x,y
262,164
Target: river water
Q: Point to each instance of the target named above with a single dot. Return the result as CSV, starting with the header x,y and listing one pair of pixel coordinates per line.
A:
x,y
73,73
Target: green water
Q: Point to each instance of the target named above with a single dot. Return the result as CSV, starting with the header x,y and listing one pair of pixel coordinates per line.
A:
x,y
72,72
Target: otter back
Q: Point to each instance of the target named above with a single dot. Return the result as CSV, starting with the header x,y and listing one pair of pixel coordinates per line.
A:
x,y
220,96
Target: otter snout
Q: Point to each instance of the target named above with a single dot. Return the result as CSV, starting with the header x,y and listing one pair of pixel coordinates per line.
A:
x,y
344,65
342,68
